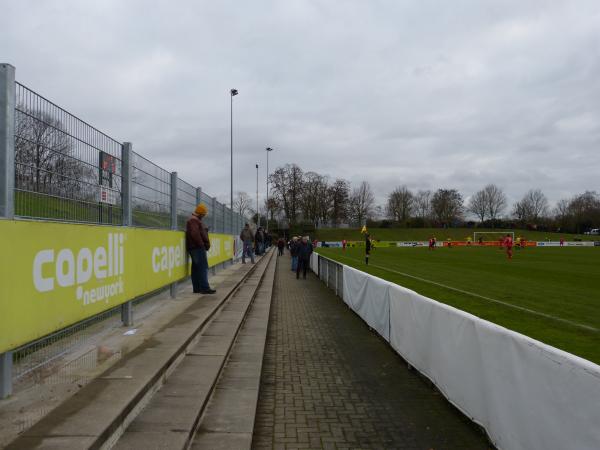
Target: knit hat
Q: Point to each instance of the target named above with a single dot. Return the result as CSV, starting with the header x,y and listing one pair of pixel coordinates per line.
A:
x,y
201,209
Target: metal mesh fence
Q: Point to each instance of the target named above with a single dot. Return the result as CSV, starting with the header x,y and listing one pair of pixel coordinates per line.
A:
x,y
208,219
186,202
65,169
150,194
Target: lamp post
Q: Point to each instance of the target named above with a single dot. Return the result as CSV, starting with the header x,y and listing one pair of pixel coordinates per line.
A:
x,y
269,150
233,93
257,211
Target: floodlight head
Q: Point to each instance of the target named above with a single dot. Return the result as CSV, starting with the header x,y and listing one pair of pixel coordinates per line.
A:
x,y
257,166
269,149
234,92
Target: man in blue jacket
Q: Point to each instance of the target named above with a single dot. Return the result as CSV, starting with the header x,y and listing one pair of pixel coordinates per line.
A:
x,y
304,250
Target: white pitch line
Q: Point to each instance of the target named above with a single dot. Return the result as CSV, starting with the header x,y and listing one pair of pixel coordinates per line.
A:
x,y
472,294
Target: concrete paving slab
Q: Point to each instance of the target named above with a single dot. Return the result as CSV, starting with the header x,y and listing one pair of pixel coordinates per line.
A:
x,y
231,410
211,345
210,440
221,328
167,413
52,443
160,440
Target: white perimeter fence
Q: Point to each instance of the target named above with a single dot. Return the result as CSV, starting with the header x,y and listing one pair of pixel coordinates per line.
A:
x,y
526,394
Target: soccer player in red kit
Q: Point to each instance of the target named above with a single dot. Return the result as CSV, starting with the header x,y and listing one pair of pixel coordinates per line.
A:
x,y
508,243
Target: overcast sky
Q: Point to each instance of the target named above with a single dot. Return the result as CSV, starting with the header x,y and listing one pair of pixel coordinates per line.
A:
x,y
429,94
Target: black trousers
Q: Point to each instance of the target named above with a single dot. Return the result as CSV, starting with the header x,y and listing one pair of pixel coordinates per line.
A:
x,y
302,266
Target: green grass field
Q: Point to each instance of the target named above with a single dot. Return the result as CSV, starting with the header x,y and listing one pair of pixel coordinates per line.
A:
x,y
423,234
550,294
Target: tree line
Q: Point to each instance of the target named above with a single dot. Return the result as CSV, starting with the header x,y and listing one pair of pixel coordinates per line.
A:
x,y
309,198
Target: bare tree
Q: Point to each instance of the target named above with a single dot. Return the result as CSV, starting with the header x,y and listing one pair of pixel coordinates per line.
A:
x,y
532,207
478,205
447,205
45,160
287,184
362,203
422,204
339,193
400,204
495,201
242,204
315,201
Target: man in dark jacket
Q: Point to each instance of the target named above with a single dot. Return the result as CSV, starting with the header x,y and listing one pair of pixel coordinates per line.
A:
x,y
367,248
247,237
305,249
198,243
280,246
260,241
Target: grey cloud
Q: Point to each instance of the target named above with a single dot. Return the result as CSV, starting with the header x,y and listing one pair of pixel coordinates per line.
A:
x,y
418,93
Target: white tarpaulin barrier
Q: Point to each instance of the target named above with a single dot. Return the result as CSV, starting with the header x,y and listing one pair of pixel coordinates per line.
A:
x,y
527,395
368,297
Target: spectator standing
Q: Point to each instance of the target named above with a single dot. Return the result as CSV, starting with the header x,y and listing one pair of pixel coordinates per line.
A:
x,y
260,241
247,237
305,248
367,248
197,244
280,246
294,253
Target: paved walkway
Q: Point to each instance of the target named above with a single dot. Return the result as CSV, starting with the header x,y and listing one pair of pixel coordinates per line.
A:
x,y
328,382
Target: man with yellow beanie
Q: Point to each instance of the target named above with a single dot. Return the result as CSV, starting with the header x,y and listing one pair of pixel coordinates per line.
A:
x,y
198,243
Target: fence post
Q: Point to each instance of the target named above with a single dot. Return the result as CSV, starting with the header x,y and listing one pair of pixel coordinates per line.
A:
x,y
126,169
7,140
173,287
214,226
199,196
7,185
6,374
336,279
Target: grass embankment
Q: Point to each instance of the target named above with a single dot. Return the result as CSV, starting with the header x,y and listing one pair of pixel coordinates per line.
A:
x,y
41,206
558,285
423,234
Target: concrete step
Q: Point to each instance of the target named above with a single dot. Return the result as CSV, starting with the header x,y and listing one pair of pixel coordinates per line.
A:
x,y
171,417
99,413
228,421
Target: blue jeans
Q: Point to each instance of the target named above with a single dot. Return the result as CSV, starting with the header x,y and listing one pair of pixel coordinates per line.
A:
x,y
199,270
294,263
248,251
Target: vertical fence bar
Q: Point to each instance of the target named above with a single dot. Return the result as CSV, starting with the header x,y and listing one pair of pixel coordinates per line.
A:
x,y
336,278
127,221
199,197
173,287
7,186
214,226
126,169
7,141
6,360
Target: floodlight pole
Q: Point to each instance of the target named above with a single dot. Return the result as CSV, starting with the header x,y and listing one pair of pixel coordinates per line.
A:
x,y
233,92
257,211
269,150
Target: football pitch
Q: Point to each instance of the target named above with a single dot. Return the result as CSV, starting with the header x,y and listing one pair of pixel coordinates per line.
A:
x,y
550,294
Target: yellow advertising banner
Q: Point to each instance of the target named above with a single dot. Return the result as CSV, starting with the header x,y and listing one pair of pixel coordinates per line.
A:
x,y
57,274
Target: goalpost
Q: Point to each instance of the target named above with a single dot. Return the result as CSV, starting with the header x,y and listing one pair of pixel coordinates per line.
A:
x,y
491,235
